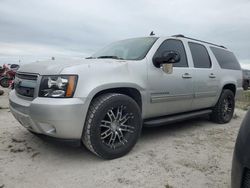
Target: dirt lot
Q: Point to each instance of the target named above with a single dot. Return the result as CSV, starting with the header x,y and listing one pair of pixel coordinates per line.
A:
x,y
194,153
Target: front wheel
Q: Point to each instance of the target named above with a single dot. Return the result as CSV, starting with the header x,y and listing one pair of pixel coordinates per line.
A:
x,y
224,109
5,82
112,126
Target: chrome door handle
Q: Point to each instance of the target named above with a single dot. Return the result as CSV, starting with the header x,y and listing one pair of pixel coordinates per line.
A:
x,y
186,75
212,75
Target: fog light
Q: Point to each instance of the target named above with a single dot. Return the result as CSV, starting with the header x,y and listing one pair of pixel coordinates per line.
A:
x,y
57,93
47,128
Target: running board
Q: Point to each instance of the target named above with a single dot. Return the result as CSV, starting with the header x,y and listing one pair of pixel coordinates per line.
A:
x,y
174,118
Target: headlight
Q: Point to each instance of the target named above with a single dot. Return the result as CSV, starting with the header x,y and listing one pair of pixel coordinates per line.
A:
x,y
61,86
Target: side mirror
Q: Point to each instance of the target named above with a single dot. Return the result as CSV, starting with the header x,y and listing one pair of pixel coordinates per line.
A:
x,y
167,57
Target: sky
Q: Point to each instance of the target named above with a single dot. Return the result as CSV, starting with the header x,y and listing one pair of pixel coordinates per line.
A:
x,y
33,30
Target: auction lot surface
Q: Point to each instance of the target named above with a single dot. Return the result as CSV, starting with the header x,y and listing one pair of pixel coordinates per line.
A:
x,y
194,153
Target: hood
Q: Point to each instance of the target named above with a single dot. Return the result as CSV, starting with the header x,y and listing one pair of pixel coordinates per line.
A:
x,y
56,66
49,67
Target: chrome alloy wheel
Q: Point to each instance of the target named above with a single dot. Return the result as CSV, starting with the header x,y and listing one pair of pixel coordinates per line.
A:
x,y
117,127
228,107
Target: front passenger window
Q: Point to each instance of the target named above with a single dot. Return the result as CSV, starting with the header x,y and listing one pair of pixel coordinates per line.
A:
x,y
173,45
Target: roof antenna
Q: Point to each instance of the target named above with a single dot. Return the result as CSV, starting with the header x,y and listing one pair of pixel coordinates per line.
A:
x,y
152,33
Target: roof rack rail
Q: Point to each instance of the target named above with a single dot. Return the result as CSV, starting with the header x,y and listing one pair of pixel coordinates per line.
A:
x,y
183,36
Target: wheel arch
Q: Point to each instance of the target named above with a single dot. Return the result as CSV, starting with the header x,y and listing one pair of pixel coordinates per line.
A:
x,y
231,87
132,92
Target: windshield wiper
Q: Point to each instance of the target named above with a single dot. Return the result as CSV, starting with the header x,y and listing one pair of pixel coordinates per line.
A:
x,y
109,57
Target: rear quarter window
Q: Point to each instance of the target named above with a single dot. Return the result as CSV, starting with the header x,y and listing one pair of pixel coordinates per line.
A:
x,y
226,59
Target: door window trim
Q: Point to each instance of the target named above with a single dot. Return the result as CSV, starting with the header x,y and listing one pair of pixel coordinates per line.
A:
x,y
211,64
182,46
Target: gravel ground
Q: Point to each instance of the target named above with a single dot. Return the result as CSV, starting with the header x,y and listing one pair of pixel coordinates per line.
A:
x,y
195,153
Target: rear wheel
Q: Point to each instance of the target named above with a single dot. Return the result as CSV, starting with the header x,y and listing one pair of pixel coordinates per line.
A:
x,y
245,85
113,125
224,109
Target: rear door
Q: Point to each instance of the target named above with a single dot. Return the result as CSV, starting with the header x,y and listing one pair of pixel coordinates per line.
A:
x,y
206,78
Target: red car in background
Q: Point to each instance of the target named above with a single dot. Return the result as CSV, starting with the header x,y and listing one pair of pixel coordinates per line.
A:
x,y
7,75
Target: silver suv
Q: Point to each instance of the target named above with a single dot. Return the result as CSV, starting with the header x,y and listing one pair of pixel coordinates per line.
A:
x,y
105,99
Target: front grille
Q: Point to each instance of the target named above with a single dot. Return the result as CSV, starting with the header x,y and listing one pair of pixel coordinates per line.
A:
x,y
246,178
25,91
25,84
27,76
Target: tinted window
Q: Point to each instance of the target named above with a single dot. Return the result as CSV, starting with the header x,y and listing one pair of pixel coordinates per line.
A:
x,y
226,59
173,45
200,55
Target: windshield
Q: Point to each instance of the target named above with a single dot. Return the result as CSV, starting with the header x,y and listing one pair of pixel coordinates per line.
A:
x,y
130,49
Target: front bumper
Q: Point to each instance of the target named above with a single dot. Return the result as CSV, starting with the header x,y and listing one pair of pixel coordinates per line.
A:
x,y
60,118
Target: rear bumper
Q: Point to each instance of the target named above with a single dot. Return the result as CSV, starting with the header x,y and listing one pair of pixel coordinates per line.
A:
x,y
60,118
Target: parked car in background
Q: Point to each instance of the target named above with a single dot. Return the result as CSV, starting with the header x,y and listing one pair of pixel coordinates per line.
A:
x,y
246,78
105,99
240,177
14,67
2,71
7,75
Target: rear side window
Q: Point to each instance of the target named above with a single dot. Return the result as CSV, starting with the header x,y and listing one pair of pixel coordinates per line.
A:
x,y
226,59
200,55
174,45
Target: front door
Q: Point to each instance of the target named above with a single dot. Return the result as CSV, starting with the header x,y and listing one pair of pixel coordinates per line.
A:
x,y
170,93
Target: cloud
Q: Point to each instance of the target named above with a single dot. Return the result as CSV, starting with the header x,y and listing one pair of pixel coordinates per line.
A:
x,y
24,52
245,64
32,29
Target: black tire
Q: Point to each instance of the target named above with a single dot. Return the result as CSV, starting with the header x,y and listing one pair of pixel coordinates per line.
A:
x,y
105,132
4,82
245,85
224,109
